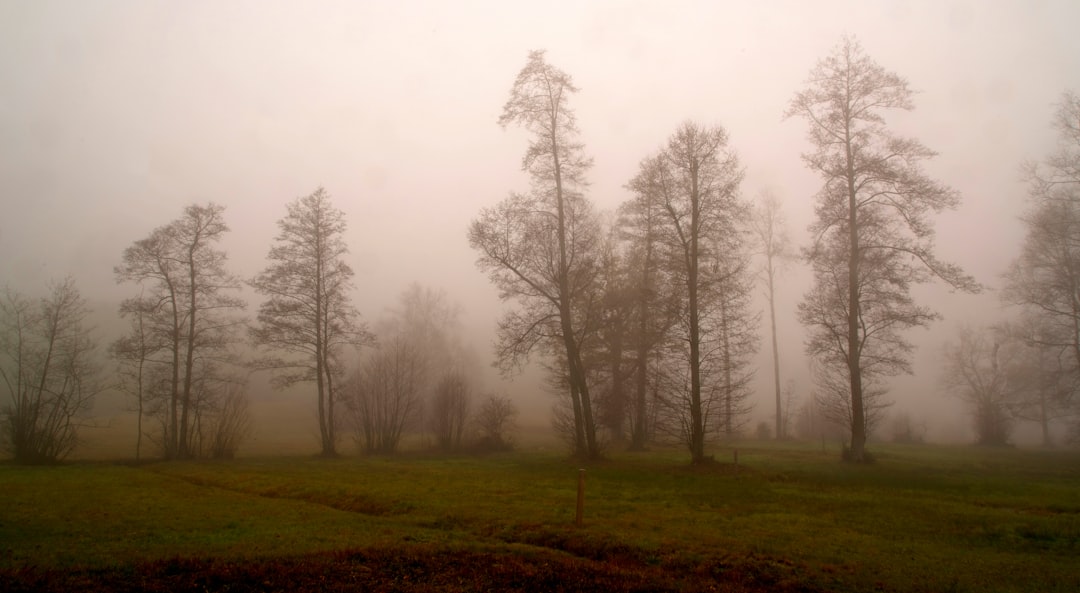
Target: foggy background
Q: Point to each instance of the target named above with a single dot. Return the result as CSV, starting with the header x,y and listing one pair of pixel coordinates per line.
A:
x,y
116,115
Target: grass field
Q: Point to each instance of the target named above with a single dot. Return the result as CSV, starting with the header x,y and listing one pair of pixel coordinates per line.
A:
x,y
790,517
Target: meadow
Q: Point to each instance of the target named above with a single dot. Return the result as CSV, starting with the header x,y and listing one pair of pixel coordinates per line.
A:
x,y
788,517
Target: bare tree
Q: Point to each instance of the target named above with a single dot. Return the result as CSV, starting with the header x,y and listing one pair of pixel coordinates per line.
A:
x,y
308,315
1061,170
977,368
48,370
1044,281
655,306
886,307
152,263
540,249
431,321
494,421
872,236
694,181
183,275
731,336
1043,378
450,410
139,358
774,245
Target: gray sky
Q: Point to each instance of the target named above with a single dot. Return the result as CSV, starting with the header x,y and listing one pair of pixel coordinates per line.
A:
x,y
115,115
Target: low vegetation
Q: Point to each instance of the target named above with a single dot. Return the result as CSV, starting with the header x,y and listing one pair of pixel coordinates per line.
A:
x,y
789,517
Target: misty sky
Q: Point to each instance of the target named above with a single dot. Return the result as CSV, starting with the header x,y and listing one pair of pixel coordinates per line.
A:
x,y
115,115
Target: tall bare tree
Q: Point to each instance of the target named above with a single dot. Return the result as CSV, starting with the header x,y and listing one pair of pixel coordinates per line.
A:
x,y
872,235
308,315
774,246
695,181
151,263
540,248
183,274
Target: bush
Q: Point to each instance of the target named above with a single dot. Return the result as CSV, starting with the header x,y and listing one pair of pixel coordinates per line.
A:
x,y
494,422
231,426
50,371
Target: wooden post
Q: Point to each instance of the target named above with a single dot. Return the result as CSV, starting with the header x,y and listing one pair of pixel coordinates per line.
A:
x,y
578,521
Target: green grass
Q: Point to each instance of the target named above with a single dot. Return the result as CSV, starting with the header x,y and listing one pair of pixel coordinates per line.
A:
x,y
921,519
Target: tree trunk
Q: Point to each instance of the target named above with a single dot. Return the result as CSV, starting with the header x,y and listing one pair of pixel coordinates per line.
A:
x,y
580,450
139,388
697,421
775,349
189,357
729,391
331,437
172,441
582,403
573,356
321,372
639,434
858,413
616,408
1044,421
640,431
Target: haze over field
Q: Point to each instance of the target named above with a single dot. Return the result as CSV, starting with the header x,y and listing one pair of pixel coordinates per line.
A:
x,y
114,116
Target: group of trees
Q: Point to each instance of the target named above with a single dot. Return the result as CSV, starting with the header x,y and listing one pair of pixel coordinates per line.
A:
x,y
177,360
418,360
180,361
1028,368
687,196
645,321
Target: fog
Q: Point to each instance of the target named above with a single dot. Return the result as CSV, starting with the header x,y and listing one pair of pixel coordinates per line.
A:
x,y
116,115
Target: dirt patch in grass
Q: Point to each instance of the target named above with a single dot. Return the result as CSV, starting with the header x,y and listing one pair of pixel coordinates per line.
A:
x,y
363,505
415,569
